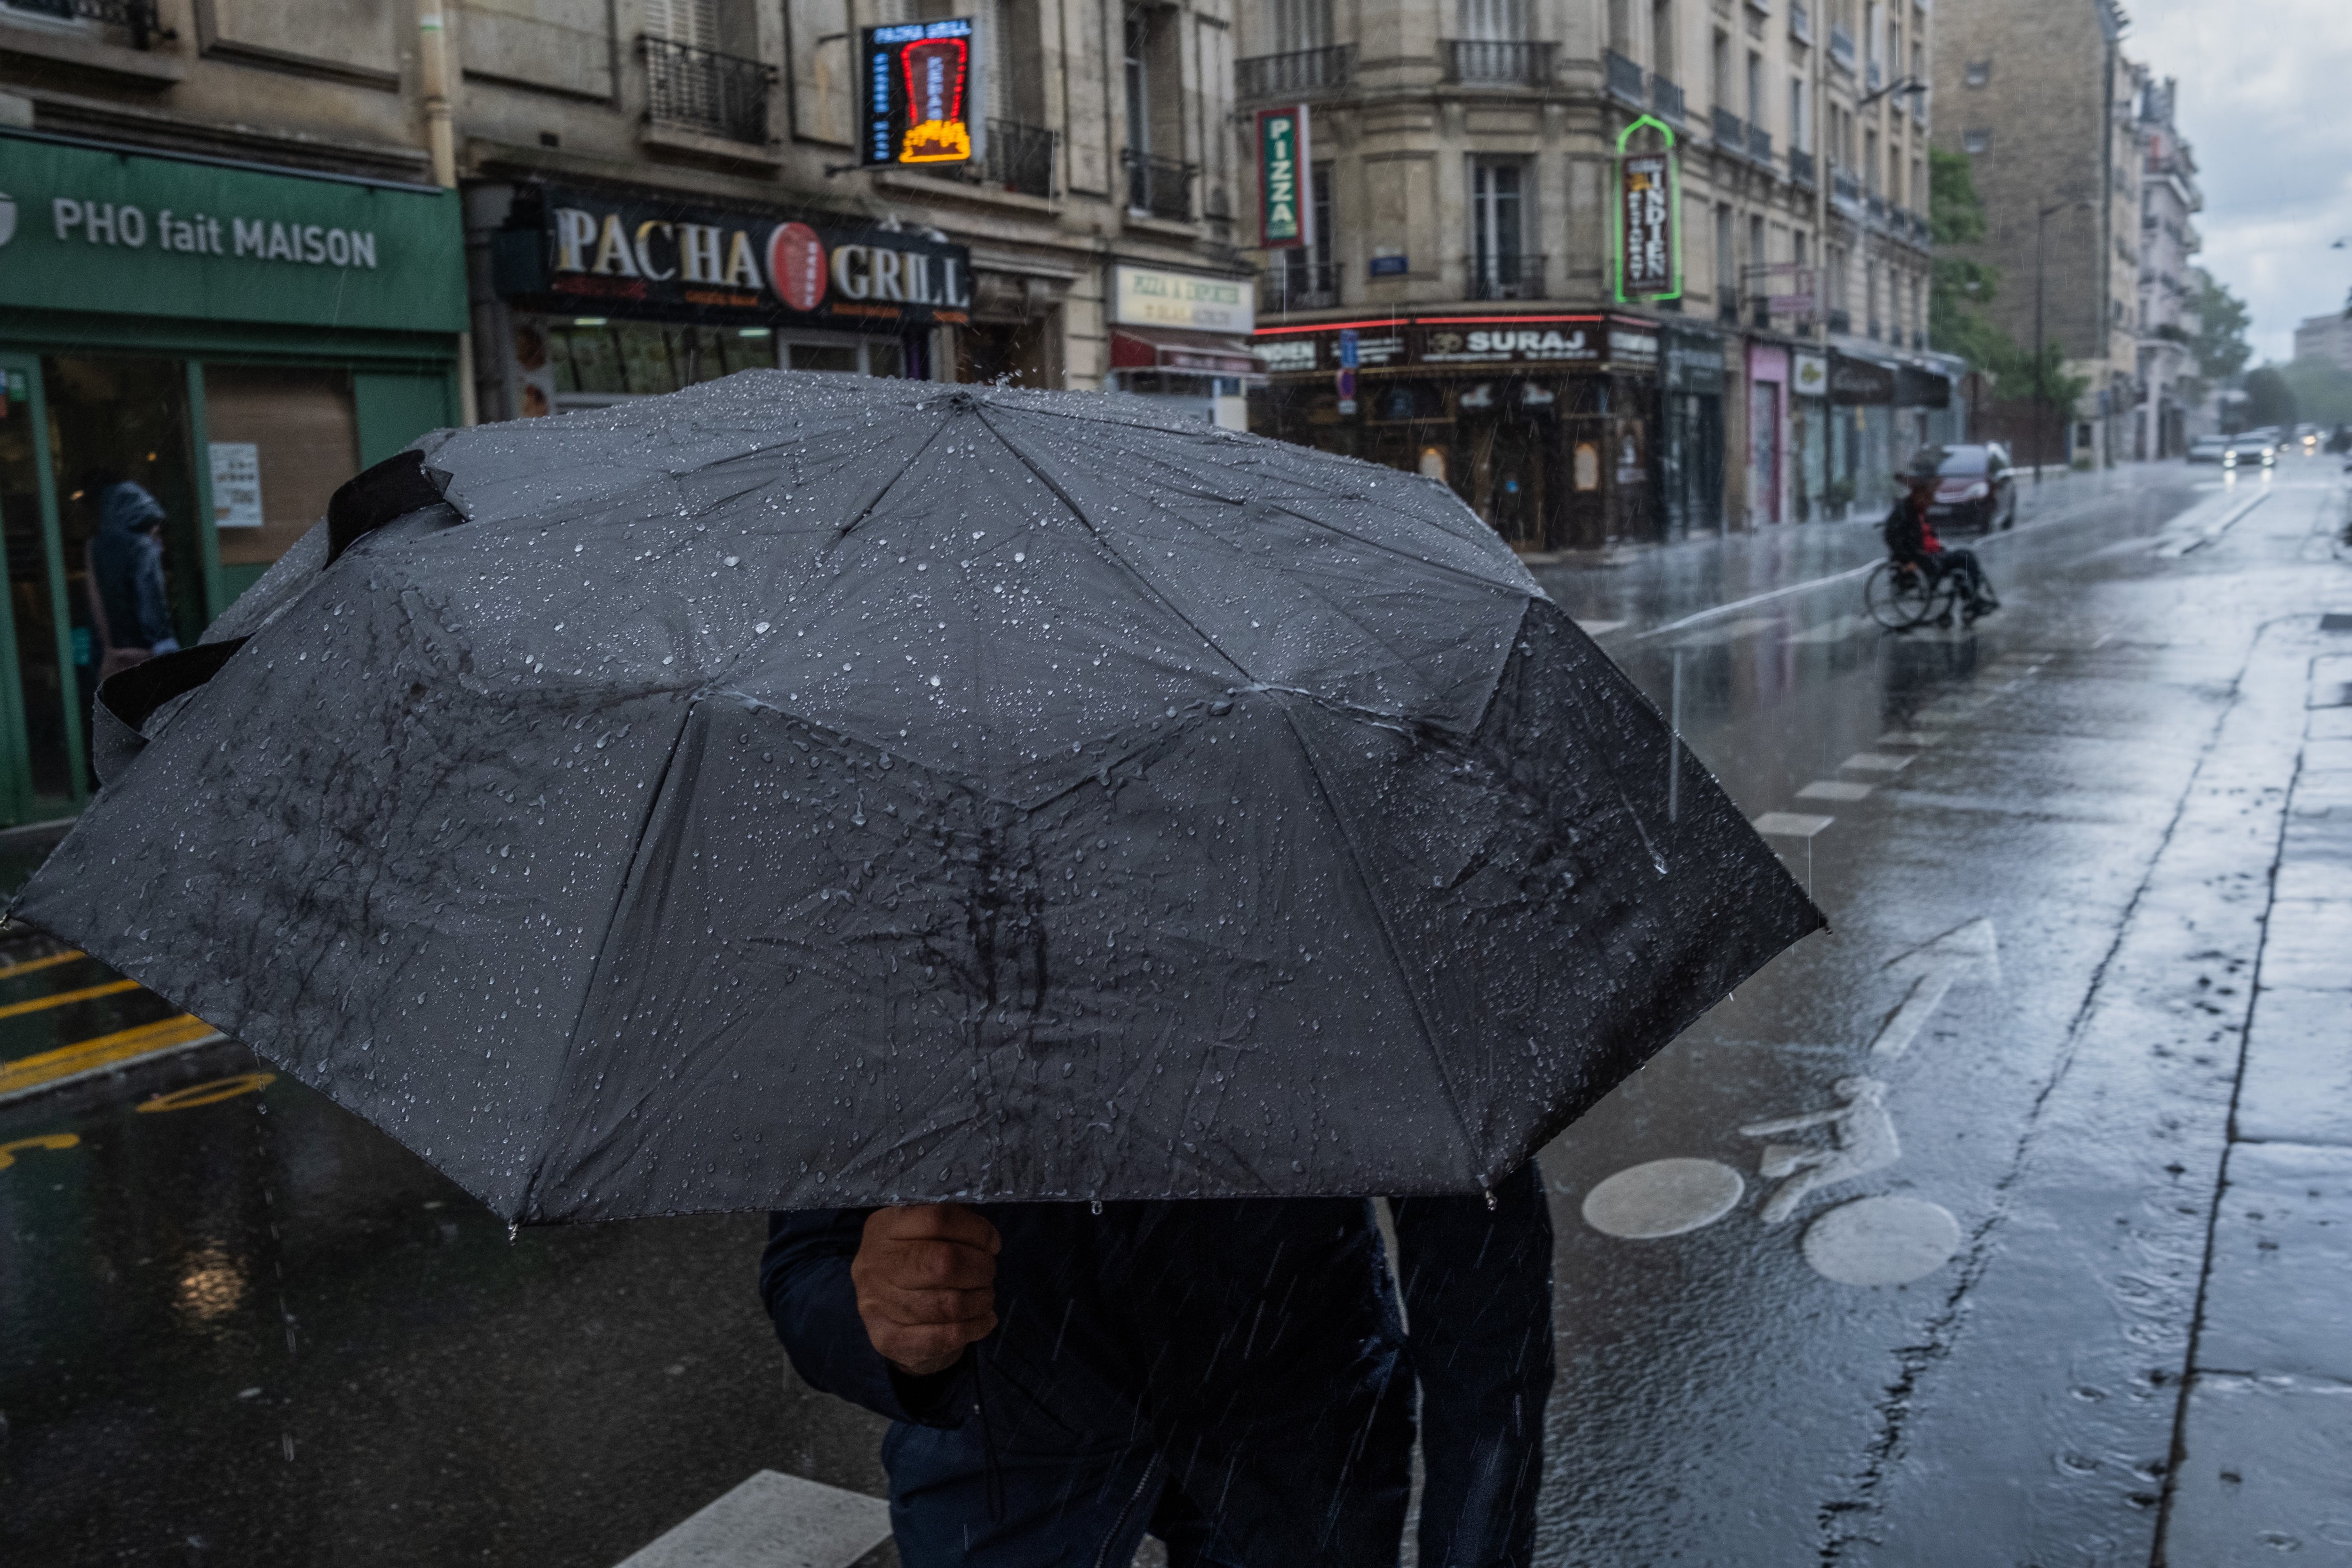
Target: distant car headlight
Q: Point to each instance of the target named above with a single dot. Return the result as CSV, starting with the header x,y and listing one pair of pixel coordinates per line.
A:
x,y
1976,491
2229,459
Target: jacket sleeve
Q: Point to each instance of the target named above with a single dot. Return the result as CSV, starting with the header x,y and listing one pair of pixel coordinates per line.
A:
x,y
805,1282
147,592
1477,1297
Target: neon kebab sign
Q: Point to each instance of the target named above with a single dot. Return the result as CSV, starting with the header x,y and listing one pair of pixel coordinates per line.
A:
x,y
918,79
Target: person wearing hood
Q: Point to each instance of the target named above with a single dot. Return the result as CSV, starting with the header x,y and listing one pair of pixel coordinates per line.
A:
x,y
126,572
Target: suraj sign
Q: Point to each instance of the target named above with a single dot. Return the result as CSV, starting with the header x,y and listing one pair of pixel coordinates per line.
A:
x,y
918,79
600,254
1286,207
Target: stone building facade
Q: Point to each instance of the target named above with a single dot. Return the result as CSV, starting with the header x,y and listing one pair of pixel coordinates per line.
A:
x,y
2168,244
1466,184
2040,97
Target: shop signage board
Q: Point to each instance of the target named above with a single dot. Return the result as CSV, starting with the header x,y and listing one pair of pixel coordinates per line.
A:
x,y
1648,217
1286,217
1191,302
1559,343
1617,341
1809,375
591,254
1857,383
917,83
1695,364
84,228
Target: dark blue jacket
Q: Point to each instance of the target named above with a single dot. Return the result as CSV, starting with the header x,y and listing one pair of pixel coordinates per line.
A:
x,y
129,560
1255,1346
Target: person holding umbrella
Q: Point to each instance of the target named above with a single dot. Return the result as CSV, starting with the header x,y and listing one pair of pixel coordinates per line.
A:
x,y
1231,1376
1059,859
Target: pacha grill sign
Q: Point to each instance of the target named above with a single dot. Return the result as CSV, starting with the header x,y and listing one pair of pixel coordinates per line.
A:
x,y
714,261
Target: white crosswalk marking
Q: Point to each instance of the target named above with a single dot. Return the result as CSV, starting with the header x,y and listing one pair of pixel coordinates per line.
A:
x,y
773,1521
1791,825
1834,789
1876,763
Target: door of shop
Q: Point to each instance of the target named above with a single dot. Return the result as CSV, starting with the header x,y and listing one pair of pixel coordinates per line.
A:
x,y
41,702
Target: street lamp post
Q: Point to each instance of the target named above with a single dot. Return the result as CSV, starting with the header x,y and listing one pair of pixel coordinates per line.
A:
x,y
2041,365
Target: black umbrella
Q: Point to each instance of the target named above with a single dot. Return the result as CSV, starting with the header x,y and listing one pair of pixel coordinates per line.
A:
x,y
807,790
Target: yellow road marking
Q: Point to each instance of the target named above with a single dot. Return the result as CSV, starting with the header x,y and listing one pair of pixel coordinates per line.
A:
x,y
210,1093
103,1051
45,1140
112,988
10,971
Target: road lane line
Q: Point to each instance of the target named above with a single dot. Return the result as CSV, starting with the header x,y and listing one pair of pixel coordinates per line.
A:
x,y
10,971
1876,763
1791,825
101,1052
41,1003
773,1521
1834,789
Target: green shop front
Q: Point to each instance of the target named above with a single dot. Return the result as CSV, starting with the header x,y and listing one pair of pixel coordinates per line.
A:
x,y
239,340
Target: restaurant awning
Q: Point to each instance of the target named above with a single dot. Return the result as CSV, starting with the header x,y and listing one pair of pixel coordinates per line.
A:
x,y
1169,348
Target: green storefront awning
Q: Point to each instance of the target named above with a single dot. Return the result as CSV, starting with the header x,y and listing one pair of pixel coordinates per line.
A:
x,y
115,231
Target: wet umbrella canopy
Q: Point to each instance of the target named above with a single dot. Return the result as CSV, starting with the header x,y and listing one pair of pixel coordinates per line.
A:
x,y
809,789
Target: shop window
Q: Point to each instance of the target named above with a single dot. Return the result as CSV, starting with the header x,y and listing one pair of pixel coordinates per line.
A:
x,y
280,440
597,361
1014,353
113,419
844,355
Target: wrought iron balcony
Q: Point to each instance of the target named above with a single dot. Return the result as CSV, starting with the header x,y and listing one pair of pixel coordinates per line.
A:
x,y
1667,99
1760,144
137,20
1294,284
1801,166
1844,187
1624,77
1159,186
1842,46
1301,70
1504,276
703,90
1730,129
1519,62
1015,157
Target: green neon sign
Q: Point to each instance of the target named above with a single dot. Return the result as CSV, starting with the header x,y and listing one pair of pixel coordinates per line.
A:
x,y
1645,222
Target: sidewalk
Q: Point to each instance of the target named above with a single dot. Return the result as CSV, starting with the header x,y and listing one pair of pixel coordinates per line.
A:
x,y
2266,1413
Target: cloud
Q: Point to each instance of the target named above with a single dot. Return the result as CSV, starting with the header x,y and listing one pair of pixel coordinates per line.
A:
x,y
2263,93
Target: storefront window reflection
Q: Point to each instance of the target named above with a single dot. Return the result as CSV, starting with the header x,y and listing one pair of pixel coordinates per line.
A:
x,y
603,358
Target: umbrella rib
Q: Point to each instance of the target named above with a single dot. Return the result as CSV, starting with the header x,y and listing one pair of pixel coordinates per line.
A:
x,y
847,529
603,939
1102,539
1388,936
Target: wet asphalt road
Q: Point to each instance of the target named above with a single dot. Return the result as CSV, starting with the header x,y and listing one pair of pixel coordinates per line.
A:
x,y
238,1327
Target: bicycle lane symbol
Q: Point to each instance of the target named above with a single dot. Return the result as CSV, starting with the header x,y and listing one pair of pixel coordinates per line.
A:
x,y
1887,1239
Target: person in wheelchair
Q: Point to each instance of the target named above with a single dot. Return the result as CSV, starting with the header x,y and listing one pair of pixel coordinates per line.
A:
x,y
1911,541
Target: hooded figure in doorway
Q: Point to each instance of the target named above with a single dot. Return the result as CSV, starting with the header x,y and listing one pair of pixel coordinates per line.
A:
x,y
126,572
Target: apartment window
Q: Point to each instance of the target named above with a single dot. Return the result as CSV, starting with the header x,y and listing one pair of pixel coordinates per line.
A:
x,y
1919,194
1801,130
1755,89
1719,78
1975,141
1495,21
1139,82
1497,216
1800,249
1300,24
1621,26
1976,73
1870,171
1308,267
1727,268
694,23
1662,38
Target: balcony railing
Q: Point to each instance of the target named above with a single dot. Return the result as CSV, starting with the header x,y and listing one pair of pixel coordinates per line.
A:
x,y
1760,144
1159,186
1667,99
1801,166
1301,70
1875,205
1730,129
1516,61
1016,157
1624,77
1504,276
1305,286
1844,187
1842,46
703,90
137,20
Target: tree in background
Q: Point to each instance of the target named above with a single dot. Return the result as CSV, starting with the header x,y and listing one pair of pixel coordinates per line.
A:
x,y
1957,288
2323,392
2269,399
2219,343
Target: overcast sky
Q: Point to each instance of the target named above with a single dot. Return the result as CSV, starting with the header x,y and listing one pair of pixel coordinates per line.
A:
x,y
2266,101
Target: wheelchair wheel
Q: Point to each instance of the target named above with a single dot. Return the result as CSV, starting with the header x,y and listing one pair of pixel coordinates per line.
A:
x,y
1899,596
